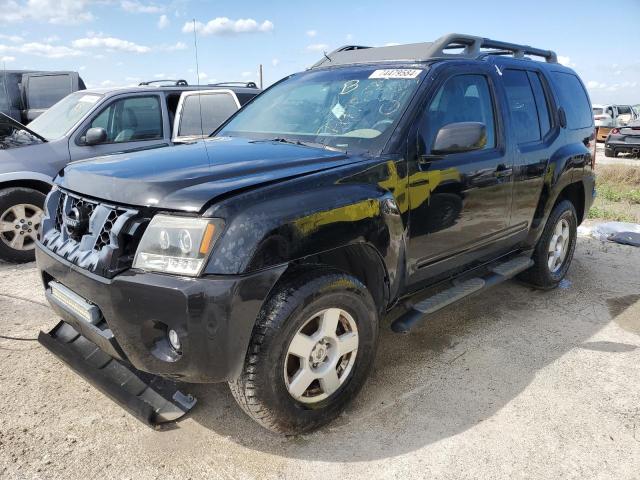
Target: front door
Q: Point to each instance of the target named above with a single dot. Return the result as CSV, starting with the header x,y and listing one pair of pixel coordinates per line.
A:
x,y
131,122
460,202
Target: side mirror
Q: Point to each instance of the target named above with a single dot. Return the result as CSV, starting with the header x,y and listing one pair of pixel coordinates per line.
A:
x,y
95,135
460,137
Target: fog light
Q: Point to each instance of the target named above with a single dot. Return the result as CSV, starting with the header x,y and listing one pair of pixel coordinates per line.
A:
x,y
174,340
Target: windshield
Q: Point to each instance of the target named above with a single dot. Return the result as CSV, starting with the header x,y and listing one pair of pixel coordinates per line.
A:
x,y
58,120
597,111
350,109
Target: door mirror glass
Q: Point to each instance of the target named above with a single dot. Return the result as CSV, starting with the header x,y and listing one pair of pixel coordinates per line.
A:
x,y
95,135
460,137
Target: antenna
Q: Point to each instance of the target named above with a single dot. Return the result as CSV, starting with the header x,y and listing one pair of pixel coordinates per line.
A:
x,y
195,46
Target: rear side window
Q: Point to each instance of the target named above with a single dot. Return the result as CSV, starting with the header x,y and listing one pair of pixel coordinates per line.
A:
x,y
573,99
463,98
542,103
45,90
522,106
216,108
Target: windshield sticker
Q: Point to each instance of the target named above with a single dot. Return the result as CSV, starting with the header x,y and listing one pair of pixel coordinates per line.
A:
x,y
338,111
89,98
396,73
349,86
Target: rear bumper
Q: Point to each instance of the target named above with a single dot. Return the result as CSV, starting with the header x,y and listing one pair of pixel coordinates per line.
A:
x,y
213,315
613,147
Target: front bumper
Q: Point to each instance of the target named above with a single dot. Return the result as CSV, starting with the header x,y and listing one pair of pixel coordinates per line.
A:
x,y
214,316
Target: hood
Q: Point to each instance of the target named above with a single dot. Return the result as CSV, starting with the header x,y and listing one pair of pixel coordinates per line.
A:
x,y
187,177
13,134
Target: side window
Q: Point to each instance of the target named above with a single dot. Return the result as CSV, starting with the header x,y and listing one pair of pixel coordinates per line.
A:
x,y
542,103
215,107
45,90
522,106
131,119
573,99
463,98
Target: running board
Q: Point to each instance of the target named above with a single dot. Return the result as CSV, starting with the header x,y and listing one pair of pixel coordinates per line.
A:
x,y
497,274
152,399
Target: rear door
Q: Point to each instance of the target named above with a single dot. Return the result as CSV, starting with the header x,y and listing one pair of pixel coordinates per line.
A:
x,y
460,202
536,135
201,112
132,121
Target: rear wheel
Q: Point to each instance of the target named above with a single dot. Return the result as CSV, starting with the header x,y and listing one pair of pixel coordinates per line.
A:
x,y
311,350
21,212
554,251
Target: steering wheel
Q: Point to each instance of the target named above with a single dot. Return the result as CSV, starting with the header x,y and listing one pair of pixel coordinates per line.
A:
x,y
382,123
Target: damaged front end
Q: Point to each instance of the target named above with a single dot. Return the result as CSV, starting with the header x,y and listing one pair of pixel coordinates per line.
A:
x,y
85,343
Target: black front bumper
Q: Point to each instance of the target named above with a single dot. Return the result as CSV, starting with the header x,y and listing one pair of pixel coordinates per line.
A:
x,y
214,316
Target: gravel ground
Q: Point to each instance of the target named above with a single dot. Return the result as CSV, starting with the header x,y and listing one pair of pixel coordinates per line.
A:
x,y
514,383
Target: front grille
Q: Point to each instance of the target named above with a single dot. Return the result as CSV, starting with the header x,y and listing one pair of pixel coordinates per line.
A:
x,y
106,247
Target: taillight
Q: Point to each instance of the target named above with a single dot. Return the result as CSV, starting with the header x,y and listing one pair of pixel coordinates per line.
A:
x,y
615,131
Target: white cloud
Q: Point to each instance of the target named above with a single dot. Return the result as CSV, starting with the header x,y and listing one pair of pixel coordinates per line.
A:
x,y
226,26
312,33
110,43
159,75
107,83
349,36
11,38
51,39
82,68
133,6
41,49
592,85
275,62
59,12
566,61
391,44
203,76
318,47
176,46
163,22
7,59
246,74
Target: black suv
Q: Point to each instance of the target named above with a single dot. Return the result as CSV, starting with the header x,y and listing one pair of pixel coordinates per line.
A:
x,y
406,176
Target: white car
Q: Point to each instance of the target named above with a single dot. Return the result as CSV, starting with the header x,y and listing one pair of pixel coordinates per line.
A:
x,y
607,117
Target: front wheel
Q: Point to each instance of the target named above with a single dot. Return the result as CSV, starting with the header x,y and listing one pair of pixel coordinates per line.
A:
x,y
554,251
21,211
311,351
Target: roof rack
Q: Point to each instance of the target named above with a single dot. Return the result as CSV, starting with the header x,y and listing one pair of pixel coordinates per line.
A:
x,y
177,83
234,84
452,45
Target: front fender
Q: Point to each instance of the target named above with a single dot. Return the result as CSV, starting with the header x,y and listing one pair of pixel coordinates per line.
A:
x,y
297,225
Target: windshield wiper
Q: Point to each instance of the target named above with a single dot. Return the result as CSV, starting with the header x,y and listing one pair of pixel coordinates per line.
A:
x,y
303,143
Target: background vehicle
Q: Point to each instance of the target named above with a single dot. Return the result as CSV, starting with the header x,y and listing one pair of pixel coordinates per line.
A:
x,y
607,117
623,140
91,123
26,94
406,176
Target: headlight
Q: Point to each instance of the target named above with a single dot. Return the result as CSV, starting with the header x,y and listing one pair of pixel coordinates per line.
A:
x,y
177,244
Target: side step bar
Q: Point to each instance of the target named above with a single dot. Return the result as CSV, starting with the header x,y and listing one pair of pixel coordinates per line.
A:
x,y
498,274
152,399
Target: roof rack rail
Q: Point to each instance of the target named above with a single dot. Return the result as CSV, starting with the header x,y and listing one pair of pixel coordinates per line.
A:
x,y
177,83
234,84
467,46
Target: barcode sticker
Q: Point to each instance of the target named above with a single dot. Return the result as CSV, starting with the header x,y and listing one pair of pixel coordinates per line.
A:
x,y
395,73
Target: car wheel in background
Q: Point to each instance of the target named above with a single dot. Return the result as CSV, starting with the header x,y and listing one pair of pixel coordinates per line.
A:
x,y
21,211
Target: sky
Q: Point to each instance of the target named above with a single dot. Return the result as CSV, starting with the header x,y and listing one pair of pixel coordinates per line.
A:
x,y
122,42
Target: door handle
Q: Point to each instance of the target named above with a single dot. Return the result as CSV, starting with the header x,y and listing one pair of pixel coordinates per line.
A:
x,y
503,172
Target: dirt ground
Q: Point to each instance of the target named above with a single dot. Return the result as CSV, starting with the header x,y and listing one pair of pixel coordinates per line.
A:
x,y
515,383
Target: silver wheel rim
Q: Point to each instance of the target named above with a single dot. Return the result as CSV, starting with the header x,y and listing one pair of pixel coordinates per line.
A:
x,y
558,245
321,355
19,226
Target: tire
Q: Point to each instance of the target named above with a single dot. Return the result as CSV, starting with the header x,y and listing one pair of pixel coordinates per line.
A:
x,y
541,275
32,202
262,390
